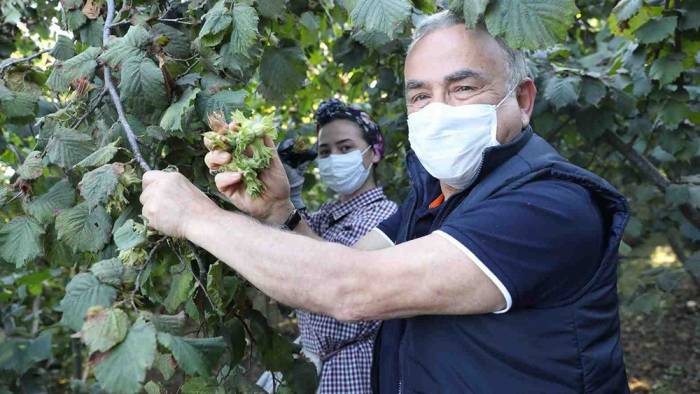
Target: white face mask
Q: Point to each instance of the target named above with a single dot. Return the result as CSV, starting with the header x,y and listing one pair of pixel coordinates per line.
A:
x,y
344,173
450,140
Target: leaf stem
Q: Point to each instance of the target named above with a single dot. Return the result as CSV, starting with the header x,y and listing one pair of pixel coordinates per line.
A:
x,y
7,63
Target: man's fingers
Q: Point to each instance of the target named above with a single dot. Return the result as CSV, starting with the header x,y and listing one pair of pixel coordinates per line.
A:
x,y
216,159
226,180
149,177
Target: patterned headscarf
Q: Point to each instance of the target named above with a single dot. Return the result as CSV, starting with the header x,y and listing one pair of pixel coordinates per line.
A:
x,y
333,109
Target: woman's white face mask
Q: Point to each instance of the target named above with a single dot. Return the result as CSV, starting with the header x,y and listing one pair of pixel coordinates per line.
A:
x,y
344,173
450,140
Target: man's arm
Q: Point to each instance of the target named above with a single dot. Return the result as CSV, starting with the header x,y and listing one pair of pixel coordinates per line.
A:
x,y
429,275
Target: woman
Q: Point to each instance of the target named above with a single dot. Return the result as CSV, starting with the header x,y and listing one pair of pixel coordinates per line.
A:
x,y
350,145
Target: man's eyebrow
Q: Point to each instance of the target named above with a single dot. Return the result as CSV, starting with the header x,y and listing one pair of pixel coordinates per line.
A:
x,y
462,74
414,84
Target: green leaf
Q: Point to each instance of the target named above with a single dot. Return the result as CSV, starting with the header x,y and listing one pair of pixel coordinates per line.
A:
x,y
110,271
74,19
384,16
84,229
64,48
282,71
130,235
471,10
60,196
21,107
20,354
561,92
129,47
670,280
677,194
214,286
101,156
84,291
235,339
66,147
165,365
141,80
201,385
81,66
104,328
531,24
98,185
216,22
371,39
188,357
657,29
692,264
32,167
225,101
626,9
178,43
125,367
151,387
172,324
21,240
666,69
180,289
272,9
593,90
173,116
245,29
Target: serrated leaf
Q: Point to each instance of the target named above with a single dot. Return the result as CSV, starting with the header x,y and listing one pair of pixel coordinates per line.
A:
x,y
187,356
108,271
225,101
657,29
101,156
104,328
471,10
98,185
165,363
180,290
531,24
216,22
32,167
21,107
173,116
562,91
666,69
371,39
84,229
282,71
78,67
129,47
67,147
64,48
214,284
21,240
384,16
74,19
201,385
626,9
178,43
141,80
130,235
272,9
151,387
124,369
84,291
172,324
60,196
20,354
245,29
593,91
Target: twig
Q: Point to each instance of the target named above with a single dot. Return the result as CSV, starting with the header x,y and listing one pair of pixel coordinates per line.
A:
x,y
149,259
78,361
130,136
36,312
91,109
7,63
182,21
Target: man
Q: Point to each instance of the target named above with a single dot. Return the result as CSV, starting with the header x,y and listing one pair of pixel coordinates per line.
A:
x,y
502,278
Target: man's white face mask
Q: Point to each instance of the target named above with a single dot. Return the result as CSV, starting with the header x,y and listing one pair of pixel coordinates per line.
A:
x,y
450,140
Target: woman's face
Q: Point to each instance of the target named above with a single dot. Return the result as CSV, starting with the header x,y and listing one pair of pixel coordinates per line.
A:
x,y
343,136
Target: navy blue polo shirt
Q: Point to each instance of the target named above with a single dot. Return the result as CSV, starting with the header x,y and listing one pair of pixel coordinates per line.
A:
x,y
537,241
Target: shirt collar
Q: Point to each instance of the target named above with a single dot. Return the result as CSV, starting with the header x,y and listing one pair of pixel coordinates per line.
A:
x,y
339,209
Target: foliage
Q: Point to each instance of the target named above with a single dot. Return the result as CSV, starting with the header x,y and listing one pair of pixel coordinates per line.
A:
x,y
620,95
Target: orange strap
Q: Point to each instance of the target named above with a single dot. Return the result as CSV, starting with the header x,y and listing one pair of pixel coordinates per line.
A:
x,y
437,202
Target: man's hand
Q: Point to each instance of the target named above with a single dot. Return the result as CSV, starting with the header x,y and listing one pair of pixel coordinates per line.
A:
x,y
169,200
273,206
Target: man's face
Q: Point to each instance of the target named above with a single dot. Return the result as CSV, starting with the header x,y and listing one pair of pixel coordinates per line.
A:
x,y
456,66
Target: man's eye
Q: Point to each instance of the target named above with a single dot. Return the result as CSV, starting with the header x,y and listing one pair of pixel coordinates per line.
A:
x,y
419,97
464,88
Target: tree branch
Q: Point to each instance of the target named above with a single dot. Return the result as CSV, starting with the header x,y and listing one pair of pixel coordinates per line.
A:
x,y
7,63
650,171
130,136
91,109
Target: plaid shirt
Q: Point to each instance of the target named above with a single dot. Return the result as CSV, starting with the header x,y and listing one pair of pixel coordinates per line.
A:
x,y
344,348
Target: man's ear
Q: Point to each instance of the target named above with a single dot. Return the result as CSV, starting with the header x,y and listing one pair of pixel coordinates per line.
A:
x,y
526,94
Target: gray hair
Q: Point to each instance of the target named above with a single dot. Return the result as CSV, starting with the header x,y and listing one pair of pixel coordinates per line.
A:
x,y
516,67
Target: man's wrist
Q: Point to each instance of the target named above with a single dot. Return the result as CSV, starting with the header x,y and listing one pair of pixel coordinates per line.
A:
x,y
279,213
202,214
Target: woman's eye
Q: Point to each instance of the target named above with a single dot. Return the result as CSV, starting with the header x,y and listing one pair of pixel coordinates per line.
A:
x,y
345,149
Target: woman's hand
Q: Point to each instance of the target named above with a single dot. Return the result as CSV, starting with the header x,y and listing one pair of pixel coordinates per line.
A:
x,y
273,205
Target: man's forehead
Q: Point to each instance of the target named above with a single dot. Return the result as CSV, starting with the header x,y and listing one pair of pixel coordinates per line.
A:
x,y
450,51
